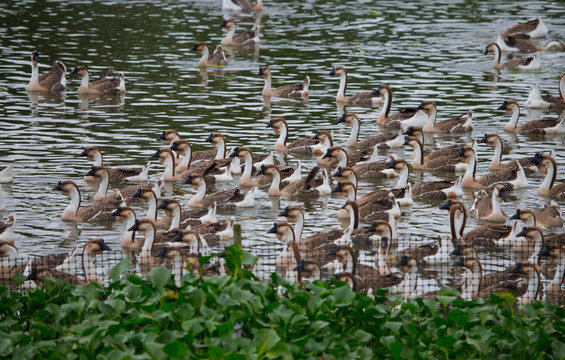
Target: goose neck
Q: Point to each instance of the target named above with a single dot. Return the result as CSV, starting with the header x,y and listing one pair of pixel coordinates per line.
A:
x,y
149,239
352,141
102,187
342,86
403,178
497,157
175,222
387,103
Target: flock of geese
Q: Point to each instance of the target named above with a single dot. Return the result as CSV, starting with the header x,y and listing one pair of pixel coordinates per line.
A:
x,y
189,231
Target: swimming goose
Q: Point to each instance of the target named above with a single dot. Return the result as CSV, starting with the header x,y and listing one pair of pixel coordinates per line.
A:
x,y
210,160
294,214
370,98
384,141
528,244
485,235
106,86
533,28
402,168
239,5
166,157
7,173
554,292
519,44
532,126
149,197
459,123
511,179
546,217
244,154
493,140
73,212
407,288
145,260
128,239
54,80
102,177
280,127
440,163
191,241
487,208
169,136
529,63
218,58
303,187
176,218
450,150
7,228
94,154
548,188
308,271
182,147
374,205
227,198
80,261
299,90
340,157
249,37
325,141
384,118
537,101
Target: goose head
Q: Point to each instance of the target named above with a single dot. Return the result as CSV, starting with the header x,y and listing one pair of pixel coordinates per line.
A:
x,y
407,262
199,47
264,72
398,165
169,135
168,205
195,181
216,139
348,119
277,123
180,146
292,213
98,172
427,106
530,233
145,194
466,152
187,238
338,71
346,277
413,142
491,48
380,227
509,106
472,264
241,152
123,212
163,154
490,140
34,58
309,267
345,188
79,71
228,24
283,231
464,250
142,226
500,192
66,187
91,152
334,152
383,89
523,269
527,216
95,246
268,169
413,131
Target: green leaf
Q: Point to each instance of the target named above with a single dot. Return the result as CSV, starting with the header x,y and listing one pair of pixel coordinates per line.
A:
x,y
117,270
374,12
363,336
159,277
176,349
343,296
264,340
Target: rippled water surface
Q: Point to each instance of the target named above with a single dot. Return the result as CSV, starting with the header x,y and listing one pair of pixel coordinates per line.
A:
x,y
426,50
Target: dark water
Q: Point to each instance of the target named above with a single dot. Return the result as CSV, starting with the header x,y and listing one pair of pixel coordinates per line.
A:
x,y
426,50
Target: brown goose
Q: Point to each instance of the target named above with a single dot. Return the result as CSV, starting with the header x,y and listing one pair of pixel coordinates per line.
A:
x,y
374,205
340,157
370,98
98,212
8,260
299,90
302,187
102,177
280,127
548,188
450,150
227,198
519,44
54,80
94,154
294,214
218,58
383,141
546,217
459,123
249,37
7,228
176,218
308,271
385,118
245,155
529,63
128,239
440,163
511,179
245,5
551,102
182,147
532,126
169,136
402,168
493,140
487,207
106,86
149,197
554,292
533,28
166,157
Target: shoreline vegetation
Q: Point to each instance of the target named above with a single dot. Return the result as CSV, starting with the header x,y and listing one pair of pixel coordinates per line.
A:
x,y
236,316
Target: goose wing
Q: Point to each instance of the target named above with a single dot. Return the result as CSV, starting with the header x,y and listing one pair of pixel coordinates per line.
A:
x,y
217,58
118,174
557,191
421,188
448,126
204,155
372,169
99,211
245,36
521,28
302,145
450,151
221,198
52,79
443,163
314,241
363,98
302,184
106,86
371,141
497,177
403,114
486,235
538,125
290,91
515,63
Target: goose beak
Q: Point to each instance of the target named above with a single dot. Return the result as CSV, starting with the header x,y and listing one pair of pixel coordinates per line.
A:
x,y
517,268
371,227
270,124
460,262
301,266
91,172
403,261
189,179
516,215
392,164
194,47
502,194
163,204
163,136
178,237
274,229
341,119
260,73
223,24
284,212
503,106
210,138
156,154
332,73
84,152
135,226
261,171
483,140
409,131
117,212
138,193
337,188
461,152
174,146
338,172
446,205
328,154
75,70
546,251
59,186
457,250
524,232
235,152
162,253
103,246
421,106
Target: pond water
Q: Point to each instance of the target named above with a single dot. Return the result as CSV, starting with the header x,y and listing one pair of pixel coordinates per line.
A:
x,y
426,50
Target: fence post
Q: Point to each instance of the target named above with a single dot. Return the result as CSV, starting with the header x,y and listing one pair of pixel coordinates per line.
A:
x,y
237,234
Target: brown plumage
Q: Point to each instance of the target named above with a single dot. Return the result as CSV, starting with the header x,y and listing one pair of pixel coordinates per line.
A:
x,y
280,127
225,198
94,154
299,90
532,126
105,86
529,28
369,98
53,80
528,63
249,37
218,58
98,212
351,120
385,118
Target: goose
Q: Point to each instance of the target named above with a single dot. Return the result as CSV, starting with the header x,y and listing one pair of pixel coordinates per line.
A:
x,y
487,208
299,90
190,241
7,173
559,128
548,188
402,168
290,256
529,63
182,147
341,158
533,28
280,127
511,179
38,273
485,235
81,260
54,80
8,260
440,163
73,212
384,118
529,242
166,157
537,101
102,177
217,59
519,44
493,140
546,217
210,160
374,205
532,275
94,154
239,5
370,98
407,287
303,187
169,136
459,123
445,247
294,214
383,141
325,141
249,37
553,290
450,150
420,253
105,86
244,154
176,218
308,271
128,239
227,198
145,260
216,232
7,228
532,126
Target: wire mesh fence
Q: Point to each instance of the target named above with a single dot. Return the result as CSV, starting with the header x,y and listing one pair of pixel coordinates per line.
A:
x,y
412,267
